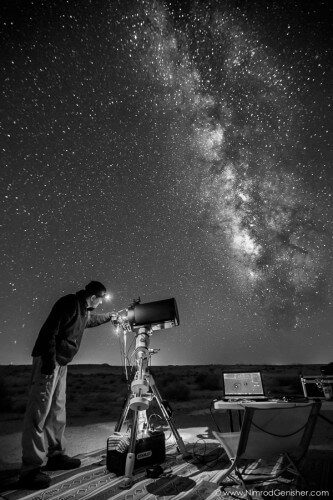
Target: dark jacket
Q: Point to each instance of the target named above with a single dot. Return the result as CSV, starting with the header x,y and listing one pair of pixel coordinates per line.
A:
x,y
60,336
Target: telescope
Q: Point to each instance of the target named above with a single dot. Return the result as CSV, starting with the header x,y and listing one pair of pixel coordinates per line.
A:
x,y
158,315
142,320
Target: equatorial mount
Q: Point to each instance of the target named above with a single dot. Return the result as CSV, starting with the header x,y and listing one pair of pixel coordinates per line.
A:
x,y
140,384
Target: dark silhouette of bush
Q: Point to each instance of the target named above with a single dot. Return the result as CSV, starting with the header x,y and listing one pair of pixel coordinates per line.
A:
x,y
6,403
19,406
176,392
208,381
168,379
287,381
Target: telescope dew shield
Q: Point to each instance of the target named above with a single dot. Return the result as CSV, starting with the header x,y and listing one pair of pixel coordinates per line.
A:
x,y
157,315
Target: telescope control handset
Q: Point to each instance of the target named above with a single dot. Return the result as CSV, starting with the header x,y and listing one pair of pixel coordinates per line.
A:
x,y
154,316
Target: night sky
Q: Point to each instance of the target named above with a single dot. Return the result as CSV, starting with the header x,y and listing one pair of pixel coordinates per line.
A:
x,y
170,149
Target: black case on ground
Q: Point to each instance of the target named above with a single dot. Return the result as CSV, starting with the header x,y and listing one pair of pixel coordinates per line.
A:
x,y
149,450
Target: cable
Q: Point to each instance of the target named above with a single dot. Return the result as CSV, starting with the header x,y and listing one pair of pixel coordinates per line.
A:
x,y
153,415
207,457
122,352
278,435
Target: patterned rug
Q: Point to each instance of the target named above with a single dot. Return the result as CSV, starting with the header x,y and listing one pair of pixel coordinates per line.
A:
x,y
194,478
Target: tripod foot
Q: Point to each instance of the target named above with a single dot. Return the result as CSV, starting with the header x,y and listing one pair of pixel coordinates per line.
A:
x,y
128,482
129,466
183,453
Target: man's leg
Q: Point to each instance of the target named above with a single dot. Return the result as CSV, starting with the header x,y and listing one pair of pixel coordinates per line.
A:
x,y
40,399
56,420
55,427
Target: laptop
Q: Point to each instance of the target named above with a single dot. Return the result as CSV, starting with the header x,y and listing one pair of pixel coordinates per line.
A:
x,y
242,386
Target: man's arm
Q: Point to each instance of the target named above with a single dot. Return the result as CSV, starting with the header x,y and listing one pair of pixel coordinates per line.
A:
x,y
99,319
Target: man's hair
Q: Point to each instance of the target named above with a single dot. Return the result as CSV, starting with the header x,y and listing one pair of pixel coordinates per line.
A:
x,y
95,288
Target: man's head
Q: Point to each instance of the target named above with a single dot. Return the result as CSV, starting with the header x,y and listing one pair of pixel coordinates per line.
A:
x,y
95,294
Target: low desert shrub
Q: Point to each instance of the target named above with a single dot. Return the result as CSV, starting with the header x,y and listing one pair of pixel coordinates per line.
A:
x,y
208,381
19,406
6,403
287,381
168,379
87,408
176,392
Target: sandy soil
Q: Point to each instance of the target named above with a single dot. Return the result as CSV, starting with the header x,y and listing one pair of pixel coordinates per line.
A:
x,y
85,435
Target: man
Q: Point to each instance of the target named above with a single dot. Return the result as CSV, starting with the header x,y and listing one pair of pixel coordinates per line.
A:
x,y
45,419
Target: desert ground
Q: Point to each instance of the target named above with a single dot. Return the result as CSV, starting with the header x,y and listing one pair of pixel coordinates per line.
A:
x,y
95,395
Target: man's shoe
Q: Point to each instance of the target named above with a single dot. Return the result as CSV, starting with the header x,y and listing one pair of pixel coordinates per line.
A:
x,y
62,462
34,480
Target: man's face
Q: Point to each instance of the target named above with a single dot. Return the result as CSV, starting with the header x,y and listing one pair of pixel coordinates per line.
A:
x,y
95,301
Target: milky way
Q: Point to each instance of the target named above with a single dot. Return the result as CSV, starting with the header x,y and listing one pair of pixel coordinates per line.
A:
x,y
178,148
242,115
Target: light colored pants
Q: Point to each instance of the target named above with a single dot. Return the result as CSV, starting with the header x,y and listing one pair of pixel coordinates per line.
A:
x,y
45,417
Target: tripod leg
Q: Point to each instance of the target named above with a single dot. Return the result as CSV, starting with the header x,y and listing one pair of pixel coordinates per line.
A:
x,y
123,414
130,459
167,417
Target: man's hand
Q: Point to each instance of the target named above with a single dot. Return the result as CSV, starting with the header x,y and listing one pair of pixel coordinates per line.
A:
x,y
114,317
47,368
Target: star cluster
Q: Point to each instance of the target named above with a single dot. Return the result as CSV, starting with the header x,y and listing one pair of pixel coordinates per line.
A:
x,y
177,148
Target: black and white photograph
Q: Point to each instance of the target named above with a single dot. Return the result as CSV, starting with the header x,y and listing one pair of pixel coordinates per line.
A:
x,y
166,249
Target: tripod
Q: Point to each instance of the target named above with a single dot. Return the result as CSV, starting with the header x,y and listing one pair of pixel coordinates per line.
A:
x,y
139,398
